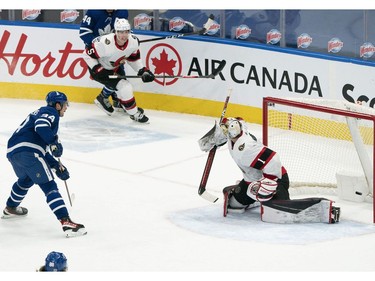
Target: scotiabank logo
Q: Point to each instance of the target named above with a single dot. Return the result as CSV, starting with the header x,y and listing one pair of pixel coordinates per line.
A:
x,y
28,64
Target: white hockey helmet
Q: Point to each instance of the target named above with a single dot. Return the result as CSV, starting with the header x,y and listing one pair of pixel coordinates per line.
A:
x,y
122,24
234,128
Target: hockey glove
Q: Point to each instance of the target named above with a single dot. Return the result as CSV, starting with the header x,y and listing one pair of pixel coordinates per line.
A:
x,y
62,173
56,148
98,68
60,170
99,73
146,75
262,190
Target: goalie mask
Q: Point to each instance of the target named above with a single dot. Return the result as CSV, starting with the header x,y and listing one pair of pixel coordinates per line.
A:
x,y
234,128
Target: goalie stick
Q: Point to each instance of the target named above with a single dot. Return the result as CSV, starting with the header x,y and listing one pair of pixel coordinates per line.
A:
x,y
203,31
211,155
214,73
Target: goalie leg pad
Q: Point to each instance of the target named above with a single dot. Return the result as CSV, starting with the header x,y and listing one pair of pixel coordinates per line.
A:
x,y
227,192
231,204
309,210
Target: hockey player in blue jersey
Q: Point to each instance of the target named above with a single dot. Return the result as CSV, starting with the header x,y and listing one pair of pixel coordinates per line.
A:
x,y
29,151
97,23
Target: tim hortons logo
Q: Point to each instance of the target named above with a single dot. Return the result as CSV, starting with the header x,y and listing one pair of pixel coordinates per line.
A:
x,y
29,64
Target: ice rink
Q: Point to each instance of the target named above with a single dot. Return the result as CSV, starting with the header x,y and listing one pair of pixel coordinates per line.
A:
x,y
135,189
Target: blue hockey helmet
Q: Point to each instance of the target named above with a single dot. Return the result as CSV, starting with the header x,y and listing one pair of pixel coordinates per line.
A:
x,y
54,97
56,261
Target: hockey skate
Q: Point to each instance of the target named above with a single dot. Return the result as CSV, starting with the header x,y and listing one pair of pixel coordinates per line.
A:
x,y
139,116
335,214
103,103
72,229
14,212
117,105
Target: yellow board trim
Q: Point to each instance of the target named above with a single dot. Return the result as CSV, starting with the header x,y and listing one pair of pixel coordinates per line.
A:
x,y
316,126
163,102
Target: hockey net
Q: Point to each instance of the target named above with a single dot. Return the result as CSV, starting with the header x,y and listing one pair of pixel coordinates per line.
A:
x,y
318,139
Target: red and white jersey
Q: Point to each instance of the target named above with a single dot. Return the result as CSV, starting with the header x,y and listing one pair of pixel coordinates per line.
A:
x,y
254,159
110,55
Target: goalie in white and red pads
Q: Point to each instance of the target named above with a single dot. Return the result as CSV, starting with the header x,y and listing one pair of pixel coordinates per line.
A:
x,y
265,180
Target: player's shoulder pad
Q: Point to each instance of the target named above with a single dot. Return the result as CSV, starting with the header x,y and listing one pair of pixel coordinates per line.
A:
x,y
48,110
251,136
135,38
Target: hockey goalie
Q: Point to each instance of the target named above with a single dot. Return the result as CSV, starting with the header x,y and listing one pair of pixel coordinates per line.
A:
x,y
265,181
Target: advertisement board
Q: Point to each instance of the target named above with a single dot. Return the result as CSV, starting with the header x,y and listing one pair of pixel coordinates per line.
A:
x,y
35,59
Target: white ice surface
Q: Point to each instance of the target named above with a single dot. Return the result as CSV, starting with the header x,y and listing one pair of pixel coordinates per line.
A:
x,y
135,189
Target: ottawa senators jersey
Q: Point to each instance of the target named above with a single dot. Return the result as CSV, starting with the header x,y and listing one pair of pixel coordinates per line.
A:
x,y
254,159
110,55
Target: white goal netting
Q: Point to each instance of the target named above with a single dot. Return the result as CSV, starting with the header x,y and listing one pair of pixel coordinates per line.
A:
x,y
316,139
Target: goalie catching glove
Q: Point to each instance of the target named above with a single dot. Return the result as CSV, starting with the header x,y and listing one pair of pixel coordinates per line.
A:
x,y
214,137
262,190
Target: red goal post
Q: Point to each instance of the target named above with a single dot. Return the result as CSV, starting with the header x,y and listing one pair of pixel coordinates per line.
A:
x,y
318,138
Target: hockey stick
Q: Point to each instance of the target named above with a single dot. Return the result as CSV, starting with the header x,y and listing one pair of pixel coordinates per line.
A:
x,y
202,186
214,73
203,31
71,198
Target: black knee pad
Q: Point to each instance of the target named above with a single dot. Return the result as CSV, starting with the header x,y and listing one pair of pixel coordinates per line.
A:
x,y
282,191
240,194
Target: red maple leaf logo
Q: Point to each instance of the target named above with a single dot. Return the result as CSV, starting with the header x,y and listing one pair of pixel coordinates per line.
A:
x,y
163,65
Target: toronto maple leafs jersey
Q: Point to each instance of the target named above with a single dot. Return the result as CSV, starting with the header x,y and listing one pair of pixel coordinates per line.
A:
x,y
99,22
110,55
254,159
36,132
